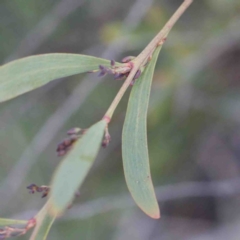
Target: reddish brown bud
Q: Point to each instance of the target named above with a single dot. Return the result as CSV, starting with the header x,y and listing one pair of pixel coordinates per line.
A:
x,y
113,63
106,139
119,76
73,131
44,194
103,71
132,82
67,142
61,153
119,71
64,146
34,188
102,74
60,147
137,75
127,59
101,67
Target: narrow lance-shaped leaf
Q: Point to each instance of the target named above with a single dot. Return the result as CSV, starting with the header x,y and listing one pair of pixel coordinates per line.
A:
x,y
9,222
134,143
43,226
74,168
29,73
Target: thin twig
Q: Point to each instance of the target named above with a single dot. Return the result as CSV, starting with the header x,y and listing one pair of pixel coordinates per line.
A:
x,y
141,59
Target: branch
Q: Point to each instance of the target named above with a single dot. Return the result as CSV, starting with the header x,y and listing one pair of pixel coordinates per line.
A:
x,y
143,57
54,123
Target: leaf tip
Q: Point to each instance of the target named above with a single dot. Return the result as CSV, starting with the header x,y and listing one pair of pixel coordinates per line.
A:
x,y
154,213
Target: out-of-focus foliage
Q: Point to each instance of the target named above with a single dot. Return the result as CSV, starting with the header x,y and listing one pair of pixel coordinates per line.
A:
x,y
193,121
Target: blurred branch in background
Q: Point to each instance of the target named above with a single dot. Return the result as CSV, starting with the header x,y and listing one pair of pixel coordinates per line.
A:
x,y
210,51
130,23
45,28
33,40
56,121
196,229
224,188
229,231
218,189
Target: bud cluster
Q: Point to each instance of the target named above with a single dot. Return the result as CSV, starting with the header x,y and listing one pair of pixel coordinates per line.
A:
x,y
73,135
106,139
8,232
119,71
42,189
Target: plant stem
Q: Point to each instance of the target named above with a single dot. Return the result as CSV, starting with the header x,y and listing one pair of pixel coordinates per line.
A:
x,y
143,57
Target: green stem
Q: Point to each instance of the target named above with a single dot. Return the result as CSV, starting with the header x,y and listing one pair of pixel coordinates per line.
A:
x,y
143,57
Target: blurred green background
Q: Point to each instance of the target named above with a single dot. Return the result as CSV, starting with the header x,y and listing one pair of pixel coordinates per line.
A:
x,y
193,122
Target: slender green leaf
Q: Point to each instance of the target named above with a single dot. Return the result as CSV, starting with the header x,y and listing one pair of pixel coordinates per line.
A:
x,y
9,222
29,73
134,144
74,168
44,223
